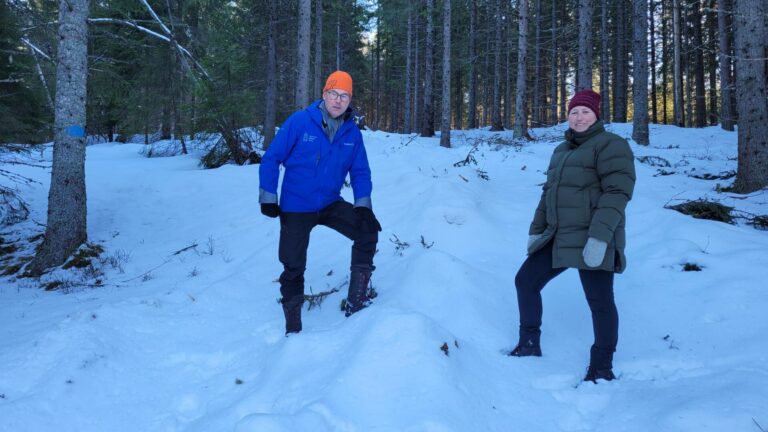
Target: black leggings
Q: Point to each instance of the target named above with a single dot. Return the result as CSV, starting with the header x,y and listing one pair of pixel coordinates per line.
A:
x,y
294,241
537,271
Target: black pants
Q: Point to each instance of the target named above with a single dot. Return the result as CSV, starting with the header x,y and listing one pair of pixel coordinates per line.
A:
x,y
294,241
537,271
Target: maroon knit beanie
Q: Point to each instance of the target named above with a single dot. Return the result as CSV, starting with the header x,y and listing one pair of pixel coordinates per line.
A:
x,y
588,98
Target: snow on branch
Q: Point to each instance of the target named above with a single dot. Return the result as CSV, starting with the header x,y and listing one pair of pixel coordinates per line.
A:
x,y
129,24
168,37
35,49
157,18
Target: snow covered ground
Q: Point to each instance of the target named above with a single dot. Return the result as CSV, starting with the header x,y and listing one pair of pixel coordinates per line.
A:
x,y
191,339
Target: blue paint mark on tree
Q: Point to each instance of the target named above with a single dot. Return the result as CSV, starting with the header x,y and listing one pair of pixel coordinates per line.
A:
x,y
76,131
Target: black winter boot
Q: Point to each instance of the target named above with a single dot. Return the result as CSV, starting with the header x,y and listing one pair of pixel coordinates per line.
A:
x,y
600,365
292,311
594,374
529,343
357,297
526,349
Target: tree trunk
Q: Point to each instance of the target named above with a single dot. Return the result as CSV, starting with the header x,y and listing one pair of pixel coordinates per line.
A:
x,y
640,73
553,69
376,67
318,78
688,74
622,74
711,16
472,109
698,53
496,124
652,12
751,25
428,122
584,72
445,124
507,117
271,91
563,65
605,68
417,103
521,114
338,41
407,127
302,54
664,58
66,226
536,111
727,118
677,84
458,108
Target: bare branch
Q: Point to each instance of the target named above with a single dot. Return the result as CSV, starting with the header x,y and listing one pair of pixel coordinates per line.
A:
x,y
184,53
36,49
129,24
157,18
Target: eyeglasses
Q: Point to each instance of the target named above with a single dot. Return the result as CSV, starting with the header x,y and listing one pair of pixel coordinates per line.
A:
x,y
333,95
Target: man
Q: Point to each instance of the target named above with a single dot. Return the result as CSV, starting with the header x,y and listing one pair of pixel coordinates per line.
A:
x,y
318,147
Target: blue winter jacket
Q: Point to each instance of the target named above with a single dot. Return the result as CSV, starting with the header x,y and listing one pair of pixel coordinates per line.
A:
x,y
315,169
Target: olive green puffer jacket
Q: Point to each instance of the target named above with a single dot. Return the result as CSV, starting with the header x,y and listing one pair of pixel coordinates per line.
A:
x,y
590,179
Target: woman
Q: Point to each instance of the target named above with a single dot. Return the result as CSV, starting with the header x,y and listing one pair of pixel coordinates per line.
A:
x,y
579,223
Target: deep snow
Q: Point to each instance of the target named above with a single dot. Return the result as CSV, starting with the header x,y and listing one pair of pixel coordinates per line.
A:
x,y
193,341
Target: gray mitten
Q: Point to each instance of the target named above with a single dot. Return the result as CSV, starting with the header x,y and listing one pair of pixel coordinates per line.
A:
x,y
594,252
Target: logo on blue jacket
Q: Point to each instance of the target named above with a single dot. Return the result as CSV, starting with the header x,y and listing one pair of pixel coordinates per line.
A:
x,y
308,138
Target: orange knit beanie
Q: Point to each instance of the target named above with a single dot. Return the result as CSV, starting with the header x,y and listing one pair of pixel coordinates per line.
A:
x,y
339,80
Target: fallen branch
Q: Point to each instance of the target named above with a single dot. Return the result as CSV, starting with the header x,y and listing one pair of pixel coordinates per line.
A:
x,y
165,261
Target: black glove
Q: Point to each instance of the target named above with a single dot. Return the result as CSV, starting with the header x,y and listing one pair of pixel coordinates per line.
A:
x,y
366,220
270,209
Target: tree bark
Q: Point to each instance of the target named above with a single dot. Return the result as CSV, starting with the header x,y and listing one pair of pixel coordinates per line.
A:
x,y
428,121
472,109
584,73
605,68
553,68
338,41
621,83
711,16
521,113
664,58
318,72
698,53
302,54
445,124
651,15
496,124
417,103
407,127
271,90
536,111
66,225
677,84
727,117
751,26
640,73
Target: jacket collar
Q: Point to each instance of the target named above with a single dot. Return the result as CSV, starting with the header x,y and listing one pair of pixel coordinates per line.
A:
x,y
578,138
315,112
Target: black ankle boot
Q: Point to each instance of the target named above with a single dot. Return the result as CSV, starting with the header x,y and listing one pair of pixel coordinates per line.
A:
x,y
357,297
292,311
594,374
526,349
